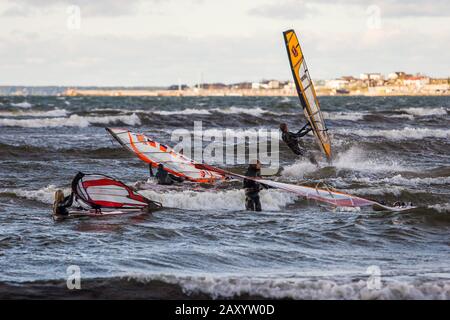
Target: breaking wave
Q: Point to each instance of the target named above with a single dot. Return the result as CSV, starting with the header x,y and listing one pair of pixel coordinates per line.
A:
x,y
441,208
400,180
72,121
399,134
351,116
250,111
423,112
49,113
378,191
219,200
354,159
294,288
44,195
241,133
181,112
23,104
230,110
298,169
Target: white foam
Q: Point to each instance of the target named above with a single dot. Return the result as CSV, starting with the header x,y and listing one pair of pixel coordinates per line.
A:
x,y
400,180
298,169
23,104
441,207
354,159
399,134
236,110
351,116
298,288
72,121
395,190
241,133
230,110
49,113
271,200
184,111
45,194
422,112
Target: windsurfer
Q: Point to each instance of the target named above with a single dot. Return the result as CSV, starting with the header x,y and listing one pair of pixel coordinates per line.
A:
x,y
61,203
293,139
165,178
252,187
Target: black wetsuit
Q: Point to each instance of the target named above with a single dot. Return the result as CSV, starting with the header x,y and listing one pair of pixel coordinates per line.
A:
x,y
252,189
61,208
292,139
166,178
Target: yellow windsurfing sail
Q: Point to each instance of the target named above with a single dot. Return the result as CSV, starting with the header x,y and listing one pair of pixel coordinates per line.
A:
x,y
306,92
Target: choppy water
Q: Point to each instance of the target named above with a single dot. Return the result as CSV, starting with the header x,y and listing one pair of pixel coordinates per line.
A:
x,y
385,148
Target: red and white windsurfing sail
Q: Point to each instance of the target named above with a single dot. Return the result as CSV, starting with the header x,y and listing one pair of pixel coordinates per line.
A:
x,y
155,153
100,191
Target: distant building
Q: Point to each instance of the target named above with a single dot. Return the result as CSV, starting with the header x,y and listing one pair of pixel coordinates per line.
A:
x,y
349,78
336,83
274,84
417,81
242,85
256,85
290,85
178,87
214,86
371,76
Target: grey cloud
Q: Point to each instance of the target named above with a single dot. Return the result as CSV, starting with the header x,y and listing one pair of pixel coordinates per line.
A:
x,y
88,8
162,60
293,9
389,8
415,8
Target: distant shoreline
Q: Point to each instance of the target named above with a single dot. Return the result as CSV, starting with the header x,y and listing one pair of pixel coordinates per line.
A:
x,y
236,93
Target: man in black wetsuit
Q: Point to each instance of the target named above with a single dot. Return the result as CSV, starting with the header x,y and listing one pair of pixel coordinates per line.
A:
x,y
165,178
292,139
252,188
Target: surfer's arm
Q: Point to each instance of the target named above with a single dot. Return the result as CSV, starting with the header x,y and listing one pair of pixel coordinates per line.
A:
x,y
150,170
303,131
68,201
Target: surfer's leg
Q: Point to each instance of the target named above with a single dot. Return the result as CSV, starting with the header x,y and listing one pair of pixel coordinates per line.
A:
x,y
257,203
298,150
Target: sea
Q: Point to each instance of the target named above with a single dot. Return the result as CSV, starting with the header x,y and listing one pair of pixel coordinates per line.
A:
x,y
204,244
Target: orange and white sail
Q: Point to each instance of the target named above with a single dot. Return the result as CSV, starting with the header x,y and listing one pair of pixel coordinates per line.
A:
x,y
155,153
306,91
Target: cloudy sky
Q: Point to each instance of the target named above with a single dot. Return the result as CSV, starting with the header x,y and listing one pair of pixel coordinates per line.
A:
x,y
156,42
